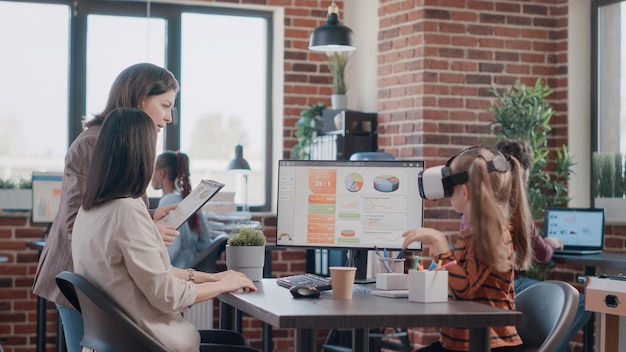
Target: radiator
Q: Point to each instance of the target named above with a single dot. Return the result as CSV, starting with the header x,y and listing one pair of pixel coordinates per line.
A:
x,y
201,315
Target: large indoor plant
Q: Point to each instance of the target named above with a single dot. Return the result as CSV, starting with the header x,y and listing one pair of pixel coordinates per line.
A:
x,y
245,252
523,113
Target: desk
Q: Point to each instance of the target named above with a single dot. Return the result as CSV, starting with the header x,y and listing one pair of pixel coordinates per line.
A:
x,y
590,262
274,305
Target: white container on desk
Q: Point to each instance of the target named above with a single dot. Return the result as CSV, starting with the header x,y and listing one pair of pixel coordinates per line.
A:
x,y
427,286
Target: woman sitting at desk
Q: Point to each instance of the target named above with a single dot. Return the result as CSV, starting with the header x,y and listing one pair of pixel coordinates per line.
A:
x,y
116,244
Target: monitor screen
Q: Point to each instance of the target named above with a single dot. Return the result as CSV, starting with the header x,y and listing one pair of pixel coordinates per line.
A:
x,y
46,196
347,204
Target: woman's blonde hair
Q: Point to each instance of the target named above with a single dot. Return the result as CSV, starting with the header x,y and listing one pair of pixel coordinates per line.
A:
x,y
497,198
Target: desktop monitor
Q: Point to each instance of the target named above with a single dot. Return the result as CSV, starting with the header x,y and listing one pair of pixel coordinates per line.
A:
x,y
347,204
46,196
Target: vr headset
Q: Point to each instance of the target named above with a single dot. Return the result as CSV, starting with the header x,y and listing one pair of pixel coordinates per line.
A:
x,y
438,181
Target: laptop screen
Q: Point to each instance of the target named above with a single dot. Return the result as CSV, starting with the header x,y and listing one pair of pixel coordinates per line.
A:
x,y
578,228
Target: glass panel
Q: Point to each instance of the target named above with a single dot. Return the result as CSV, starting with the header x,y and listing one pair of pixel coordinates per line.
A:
x,y
33,87
223,99
139,39
611,80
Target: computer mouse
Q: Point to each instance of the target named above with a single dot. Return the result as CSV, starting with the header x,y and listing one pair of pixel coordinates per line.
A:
x,y
304,292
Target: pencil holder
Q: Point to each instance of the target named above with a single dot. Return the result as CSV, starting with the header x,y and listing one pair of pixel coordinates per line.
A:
x,y
391,265
428,286
392,281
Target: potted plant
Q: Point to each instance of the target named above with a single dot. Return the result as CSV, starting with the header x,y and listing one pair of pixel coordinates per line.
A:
x,y
523,113
16,195
307,128
609,183
337,62
245,252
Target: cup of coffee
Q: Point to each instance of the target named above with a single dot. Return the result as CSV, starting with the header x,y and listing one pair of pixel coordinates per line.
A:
x,y
342,281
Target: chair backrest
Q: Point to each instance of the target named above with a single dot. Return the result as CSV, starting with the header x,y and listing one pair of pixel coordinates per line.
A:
x,y
548,309
205,260
371,156
107,327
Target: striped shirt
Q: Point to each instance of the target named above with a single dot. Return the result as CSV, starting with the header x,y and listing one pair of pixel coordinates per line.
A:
x,y
473,280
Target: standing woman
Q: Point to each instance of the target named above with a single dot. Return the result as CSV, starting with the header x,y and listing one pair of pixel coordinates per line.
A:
x,y
118,247
147,87
171,175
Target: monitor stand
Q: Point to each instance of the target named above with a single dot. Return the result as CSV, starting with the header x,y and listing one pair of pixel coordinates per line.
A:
x,y
358,259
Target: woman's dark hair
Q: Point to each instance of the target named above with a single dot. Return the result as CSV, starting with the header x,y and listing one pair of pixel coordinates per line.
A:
x,y
176,166
123,158
135,84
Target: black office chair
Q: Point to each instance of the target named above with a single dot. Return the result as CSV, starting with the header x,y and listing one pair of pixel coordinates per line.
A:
x,y
207,259
549,308
107,328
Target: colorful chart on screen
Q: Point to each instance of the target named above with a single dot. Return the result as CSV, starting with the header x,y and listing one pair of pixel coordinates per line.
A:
x,y
386,183
353,182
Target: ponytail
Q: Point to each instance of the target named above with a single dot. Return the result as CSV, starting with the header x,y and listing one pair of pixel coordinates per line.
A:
x,y
176,166
520,217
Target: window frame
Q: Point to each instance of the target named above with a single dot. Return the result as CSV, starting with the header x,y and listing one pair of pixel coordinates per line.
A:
x,y
171,12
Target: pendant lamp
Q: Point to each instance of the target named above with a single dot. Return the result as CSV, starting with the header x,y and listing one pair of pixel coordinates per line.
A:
x,y
332,36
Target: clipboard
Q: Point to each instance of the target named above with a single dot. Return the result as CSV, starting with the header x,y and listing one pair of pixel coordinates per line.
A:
x,y
198,197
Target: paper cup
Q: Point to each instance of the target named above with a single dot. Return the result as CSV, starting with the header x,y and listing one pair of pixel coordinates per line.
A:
x,y
342,281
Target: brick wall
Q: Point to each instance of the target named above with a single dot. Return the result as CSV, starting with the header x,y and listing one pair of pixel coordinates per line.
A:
x,y
436,61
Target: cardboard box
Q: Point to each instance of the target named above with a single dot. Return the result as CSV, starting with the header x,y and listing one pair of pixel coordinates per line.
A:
x,y
428,286
392,281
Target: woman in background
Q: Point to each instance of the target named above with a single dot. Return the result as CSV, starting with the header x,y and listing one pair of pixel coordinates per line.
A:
x,y
147,87
171,175
118,247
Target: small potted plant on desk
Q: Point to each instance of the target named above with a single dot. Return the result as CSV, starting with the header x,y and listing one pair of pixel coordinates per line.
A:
x,y
245,252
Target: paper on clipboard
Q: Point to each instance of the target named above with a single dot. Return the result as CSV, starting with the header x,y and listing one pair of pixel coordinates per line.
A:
x,y
192,203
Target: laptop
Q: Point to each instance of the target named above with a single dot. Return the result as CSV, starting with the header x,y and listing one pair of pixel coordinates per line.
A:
x,y
580,229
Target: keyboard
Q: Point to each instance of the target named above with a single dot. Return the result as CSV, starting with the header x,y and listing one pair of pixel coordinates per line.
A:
x,y
322,283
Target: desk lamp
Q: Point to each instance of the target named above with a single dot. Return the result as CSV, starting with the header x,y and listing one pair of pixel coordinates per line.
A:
x,y
240,166
332,36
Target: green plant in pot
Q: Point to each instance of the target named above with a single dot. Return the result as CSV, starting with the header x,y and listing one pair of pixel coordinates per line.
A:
x,y
609,185
245,252
523,113
307,128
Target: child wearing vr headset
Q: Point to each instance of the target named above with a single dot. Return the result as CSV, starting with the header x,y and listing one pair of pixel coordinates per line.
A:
x,y
490,189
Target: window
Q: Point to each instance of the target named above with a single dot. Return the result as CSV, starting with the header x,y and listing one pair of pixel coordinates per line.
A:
x,y
33,87
221,57
609,76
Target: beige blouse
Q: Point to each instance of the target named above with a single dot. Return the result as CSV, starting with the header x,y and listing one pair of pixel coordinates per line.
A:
x,y
118,248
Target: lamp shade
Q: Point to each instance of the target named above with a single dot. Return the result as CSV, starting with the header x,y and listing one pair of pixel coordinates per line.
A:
x,y
238,163
332,36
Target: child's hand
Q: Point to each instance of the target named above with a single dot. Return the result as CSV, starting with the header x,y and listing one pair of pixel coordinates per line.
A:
x,y
434,239
556,243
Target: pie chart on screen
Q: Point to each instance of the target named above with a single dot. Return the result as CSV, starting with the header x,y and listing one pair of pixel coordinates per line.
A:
x,y
353,182
386,183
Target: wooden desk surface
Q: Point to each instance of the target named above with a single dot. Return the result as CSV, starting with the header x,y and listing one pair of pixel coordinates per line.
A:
x,y
605,259
275,305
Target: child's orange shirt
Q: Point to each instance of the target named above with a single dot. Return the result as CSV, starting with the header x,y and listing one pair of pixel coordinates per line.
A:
x,y
472,280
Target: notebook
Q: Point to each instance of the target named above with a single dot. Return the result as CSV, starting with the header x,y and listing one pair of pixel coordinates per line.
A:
x,y
192,203
580,229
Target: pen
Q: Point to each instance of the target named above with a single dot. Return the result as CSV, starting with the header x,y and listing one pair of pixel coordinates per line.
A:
x,y
400,254
446,265
432,266
377,251
439,263
417,262
385,252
